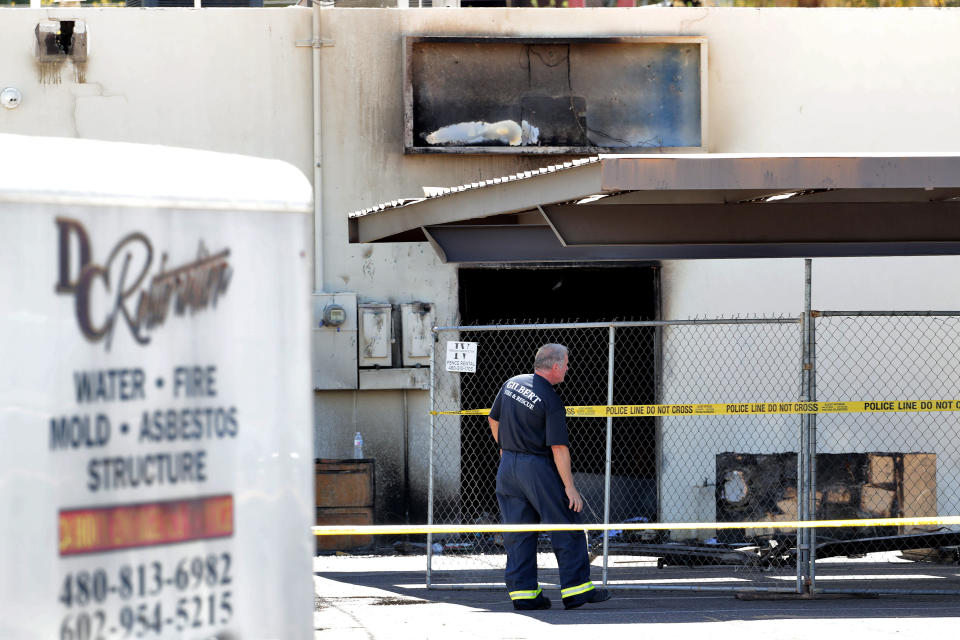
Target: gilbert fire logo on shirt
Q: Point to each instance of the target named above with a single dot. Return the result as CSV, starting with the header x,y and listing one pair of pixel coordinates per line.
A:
x,y
521,394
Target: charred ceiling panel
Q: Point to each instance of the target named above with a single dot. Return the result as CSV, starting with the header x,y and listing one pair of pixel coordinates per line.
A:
x,y
554,96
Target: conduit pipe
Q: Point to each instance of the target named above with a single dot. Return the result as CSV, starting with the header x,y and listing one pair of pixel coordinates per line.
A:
x,y
318,284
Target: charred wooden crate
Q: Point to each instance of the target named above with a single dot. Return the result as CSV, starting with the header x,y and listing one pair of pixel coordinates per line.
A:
x,y
345,495
763,487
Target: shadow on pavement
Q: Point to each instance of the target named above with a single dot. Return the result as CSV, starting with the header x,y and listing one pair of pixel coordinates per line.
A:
x,y
406,588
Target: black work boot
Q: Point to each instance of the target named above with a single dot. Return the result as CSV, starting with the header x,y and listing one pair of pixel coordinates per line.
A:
x,y
589,597
532,604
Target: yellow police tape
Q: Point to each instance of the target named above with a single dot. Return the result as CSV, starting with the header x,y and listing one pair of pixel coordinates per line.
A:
x,y
741,408
349,529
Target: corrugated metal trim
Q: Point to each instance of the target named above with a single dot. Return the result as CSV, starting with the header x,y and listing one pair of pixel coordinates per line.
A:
x,y
523,175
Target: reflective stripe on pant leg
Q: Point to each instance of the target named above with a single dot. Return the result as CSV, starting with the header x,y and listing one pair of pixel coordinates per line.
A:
x,y
525,595
570,548
575,591
548,497
521,547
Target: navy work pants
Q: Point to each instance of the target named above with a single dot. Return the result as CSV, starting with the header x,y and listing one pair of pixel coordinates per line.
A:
x,y
530,491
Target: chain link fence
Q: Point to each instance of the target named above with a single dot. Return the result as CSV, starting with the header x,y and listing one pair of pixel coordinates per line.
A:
x,y
674,468
684,468
896,464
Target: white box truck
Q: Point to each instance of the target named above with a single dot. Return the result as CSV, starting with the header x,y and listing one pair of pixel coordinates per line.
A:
x,y
156,439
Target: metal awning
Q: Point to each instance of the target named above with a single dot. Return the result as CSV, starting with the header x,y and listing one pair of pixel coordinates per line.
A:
x,y
656,207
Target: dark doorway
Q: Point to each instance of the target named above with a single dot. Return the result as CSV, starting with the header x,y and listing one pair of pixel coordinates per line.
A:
x,y
554,295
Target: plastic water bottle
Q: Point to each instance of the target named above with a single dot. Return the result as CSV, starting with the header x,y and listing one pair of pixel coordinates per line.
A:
x,y
358,445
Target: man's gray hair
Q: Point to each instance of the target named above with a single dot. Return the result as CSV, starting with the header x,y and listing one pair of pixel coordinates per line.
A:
x,y
549,355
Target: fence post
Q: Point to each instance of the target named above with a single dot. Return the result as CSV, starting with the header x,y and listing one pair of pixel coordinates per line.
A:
x,y
433,418
812,443
806,497
609,455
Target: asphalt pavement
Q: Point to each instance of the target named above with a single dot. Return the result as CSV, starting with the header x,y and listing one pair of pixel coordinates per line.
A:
x,y
380,597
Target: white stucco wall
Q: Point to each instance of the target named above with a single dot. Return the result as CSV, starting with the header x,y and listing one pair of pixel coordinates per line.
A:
x,y
382,417
857,359
779,80
227,80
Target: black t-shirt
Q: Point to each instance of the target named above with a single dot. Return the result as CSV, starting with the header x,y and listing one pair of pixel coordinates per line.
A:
x,y
531,415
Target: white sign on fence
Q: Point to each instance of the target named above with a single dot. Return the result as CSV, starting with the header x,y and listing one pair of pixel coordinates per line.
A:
x,y
462,356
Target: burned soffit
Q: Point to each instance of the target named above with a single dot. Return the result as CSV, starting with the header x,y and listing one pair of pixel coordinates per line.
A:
x,y
656,207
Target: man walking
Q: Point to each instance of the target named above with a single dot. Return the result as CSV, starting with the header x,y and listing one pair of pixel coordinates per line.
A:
x,y
535,483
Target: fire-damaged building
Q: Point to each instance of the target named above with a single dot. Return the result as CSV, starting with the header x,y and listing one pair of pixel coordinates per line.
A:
x,y
481,167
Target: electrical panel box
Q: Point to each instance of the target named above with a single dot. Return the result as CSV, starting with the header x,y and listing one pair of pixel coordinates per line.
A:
x,y
376,339
417,320
334,341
